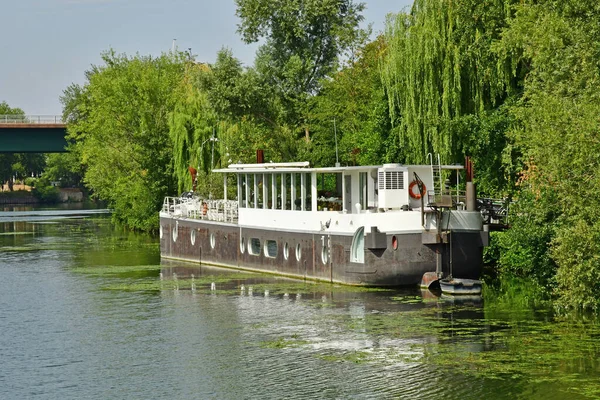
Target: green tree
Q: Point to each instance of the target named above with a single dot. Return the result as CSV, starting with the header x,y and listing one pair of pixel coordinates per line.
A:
x,y
303,42
440,66
355,100
558,132
65,168
6,109
120,125
228,101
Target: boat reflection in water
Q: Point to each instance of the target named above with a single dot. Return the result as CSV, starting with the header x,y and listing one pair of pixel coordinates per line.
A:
x,y
337,321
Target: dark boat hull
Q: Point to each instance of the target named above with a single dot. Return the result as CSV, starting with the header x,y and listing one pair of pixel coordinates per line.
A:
x,y
317,256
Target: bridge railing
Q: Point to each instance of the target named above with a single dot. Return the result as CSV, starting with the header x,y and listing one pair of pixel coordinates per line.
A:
x,y
31,119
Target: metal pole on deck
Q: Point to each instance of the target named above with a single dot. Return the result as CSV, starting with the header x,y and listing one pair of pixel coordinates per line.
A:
x,y
337,160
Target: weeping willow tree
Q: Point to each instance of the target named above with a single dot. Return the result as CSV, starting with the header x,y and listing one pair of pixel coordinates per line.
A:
x,y
191,126
440,67
222,117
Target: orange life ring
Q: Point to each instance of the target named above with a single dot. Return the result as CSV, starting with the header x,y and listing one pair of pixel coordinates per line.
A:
x,y
204,209
411,192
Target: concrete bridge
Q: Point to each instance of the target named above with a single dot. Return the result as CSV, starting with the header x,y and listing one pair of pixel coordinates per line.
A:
x,y
32,134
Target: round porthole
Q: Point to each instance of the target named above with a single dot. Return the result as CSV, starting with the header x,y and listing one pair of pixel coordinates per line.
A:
x,y
298,252
286,251
160,231
242,245
324,255
175,233
394,243
212,240
193,237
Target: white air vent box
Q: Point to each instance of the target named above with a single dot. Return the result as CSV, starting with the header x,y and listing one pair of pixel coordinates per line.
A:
x,y
392,186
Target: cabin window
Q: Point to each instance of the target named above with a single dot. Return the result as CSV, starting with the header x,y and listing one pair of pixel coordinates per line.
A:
x,y
270,248
329,193
286,251
266,182
298,252
362,177
242,245
357,252
212,240
260,190
324,255
160,231
254,247
242,191
193,237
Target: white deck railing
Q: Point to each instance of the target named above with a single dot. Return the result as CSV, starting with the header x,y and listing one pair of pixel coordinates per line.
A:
x,y
195,208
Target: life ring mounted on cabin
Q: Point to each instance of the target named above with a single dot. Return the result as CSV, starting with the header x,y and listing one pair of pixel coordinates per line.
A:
x,y
415,195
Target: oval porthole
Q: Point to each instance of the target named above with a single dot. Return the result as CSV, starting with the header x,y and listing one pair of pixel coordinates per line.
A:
x,y
212,240
193,237
270,248
254,246
175,233
298,252
160,231
394,242
242,245
286,251
324,255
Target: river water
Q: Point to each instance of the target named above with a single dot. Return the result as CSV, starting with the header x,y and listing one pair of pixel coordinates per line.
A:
x,y
88,310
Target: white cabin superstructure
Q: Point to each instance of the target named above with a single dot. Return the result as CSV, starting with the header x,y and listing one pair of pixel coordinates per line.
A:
x,y
286,195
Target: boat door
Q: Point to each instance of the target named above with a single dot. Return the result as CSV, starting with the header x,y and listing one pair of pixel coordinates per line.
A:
x,y
348,193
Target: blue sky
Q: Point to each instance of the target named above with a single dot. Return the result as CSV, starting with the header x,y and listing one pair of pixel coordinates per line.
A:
x,y
46,45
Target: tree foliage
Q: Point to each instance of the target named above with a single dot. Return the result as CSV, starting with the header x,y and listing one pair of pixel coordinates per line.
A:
x,y
558,133
120,124
440,67
303,42
353,106
223,110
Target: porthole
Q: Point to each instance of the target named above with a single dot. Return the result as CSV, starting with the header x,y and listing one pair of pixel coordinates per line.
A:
x,y
242,245
394,242
160,231
324,255
286,251
254,247
298,252
270,248
175,232
193,237
212,240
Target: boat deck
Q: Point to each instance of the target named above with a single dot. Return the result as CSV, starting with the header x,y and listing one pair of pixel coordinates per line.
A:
x,y
201,209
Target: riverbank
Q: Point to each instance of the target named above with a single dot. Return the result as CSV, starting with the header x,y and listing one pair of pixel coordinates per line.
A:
x,y
24,196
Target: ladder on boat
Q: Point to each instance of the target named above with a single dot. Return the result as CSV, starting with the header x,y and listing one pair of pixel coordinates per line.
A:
x,y
436,177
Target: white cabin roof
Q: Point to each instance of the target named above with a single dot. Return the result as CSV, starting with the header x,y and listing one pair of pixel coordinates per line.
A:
x,y
304,167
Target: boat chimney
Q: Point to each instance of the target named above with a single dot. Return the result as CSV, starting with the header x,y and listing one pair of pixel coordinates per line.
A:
x,y
471,192
260,156
469,168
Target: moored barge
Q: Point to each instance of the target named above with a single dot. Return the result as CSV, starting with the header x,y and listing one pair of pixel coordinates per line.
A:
x,y
387,225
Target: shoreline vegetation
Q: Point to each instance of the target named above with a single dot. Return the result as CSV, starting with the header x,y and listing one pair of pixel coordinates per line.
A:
x,y
29,196
512,84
